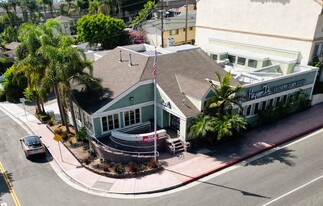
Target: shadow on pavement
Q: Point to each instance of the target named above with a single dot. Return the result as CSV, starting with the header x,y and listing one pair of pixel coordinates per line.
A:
x,y
41,158
3,185
283,156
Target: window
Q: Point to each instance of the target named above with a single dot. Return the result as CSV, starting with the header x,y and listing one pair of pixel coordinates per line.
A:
x,y
256,108
110,122
248,110
214,56
173,32
241,61
252,63
271,102
232,59
184,29
191,28
263,107
131,117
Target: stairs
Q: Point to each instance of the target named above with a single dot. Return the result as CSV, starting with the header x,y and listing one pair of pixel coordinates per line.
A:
x,y
175,145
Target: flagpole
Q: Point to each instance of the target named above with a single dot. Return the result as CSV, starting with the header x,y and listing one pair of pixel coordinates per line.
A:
x,y
155,106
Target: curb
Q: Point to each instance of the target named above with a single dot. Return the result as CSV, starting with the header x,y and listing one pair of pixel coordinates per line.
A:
x,y
225,165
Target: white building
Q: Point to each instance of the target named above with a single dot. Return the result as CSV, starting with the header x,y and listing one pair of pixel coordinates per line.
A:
x,y
294,25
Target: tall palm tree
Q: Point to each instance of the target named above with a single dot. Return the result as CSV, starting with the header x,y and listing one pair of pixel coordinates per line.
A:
x,y
69,66
28,61
225,97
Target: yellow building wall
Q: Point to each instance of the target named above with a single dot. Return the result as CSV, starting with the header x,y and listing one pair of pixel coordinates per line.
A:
x,y
180,37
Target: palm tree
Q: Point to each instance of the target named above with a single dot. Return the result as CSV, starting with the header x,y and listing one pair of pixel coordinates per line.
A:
x,y
29,62
225,97
68,66
201,125
229,124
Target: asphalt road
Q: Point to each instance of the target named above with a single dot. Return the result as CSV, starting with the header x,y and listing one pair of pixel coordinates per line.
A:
x,y
269,179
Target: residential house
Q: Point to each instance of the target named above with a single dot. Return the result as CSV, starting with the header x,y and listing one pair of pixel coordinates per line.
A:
x,y
173,32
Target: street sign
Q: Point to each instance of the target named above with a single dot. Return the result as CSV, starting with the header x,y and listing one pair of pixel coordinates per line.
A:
x,y
57,137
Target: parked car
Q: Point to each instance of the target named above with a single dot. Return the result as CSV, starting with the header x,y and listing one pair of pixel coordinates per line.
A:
x,y
32,145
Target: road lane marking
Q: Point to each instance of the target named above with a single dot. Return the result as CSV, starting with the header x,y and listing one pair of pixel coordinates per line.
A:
x,y
10,187
294,190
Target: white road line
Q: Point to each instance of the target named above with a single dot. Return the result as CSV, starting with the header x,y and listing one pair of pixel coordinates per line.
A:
x,y
294,190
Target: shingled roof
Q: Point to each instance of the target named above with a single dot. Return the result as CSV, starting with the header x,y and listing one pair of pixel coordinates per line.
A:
x,y
179,75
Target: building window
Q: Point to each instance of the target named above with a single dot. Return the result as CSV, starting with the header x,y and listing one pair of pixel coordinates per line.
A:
x,y
256,108
174,32
263,107
214,56
191,28
184,29
248,110
232,59
110,122
131,117
241,61
252,63
86,121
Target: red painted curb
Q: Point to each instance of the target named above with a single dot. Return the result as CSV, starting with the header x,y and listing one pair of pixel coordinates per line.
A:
x,y
225,165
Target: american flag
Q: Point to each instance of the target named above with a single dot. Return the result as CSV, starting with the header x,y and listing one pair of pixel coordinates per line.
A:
x,y
155,65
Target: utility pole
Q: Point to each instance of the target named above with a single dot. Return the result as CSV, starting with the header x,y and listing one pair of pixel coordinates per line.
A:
x,y
162,23
186,21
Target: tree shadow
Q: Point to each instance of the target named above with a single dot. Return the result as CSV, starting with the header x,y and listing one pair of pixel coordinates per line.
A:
x,y
3,183
283,156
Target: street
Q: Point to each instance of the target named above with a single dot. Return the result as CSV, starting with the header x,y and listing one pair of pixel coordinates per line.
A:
x,y
291,175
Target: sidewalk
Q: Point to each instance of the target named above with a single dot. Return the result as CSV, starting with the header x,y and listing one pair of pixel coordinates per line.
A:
x,y
182,171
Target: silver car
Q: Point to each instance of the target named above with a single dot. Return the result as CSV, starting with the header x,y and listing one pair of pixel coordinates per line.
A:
x,y
32,145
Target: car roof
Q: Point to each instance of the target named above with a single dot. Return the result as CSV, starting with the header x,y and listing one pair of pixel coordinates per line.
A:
x,y
30,140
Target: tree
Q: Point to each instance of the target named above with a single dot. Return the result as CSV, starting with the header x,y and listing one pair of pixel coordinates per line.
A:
x,y
218,120
28,61
67,66
229,125
225,97
143,14
14,85
100,29
201,125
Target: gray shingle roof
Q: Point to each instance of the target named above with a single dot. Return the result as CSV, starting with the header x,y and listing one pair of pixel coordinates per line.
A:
x,y
178,74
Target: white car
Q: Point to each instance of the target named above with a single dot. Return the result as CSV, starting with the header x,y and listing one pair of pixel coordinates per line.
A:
x,y
32,145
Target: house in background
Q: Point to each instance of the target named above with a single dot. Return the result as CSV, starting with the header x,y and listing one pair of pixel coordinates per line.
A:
x,y
174,30
294,25
66,23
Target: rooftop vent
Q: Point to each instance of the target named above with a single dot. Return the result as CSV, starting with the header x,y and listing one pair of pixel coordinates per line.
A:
x,y
130,61
120,57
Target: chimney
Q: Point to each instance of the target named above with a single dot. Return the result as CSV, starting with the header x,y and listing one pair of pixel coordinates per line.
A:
x,y
130,61
120,57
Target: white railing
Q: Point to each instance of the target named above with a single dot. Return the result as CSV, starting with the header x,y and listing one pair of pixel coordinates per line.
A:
x,y
145,137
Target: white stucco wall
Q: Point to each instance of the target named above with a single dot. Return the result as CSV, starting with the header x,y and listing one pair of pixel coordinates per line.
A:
x,y
282,24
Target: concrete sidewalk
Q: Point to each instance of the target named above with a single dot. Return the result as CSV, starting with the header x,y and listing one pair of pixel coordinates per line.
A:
x,y
182,171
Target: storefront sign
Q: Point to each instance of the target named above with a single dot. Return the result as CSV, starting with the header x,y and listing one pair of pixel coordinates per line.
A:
x,y
149,138
166,104
266,90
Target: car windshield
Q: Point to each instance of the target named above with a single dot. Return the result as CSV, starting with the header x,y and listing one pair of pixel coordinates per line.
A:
x,y
32,141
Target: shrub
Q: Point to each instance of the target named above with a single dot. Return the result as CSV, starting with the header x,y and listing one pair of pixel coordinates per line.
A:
x,y
152,164
118,168
106,167
86,160
81,135
65,135
58,131
133,167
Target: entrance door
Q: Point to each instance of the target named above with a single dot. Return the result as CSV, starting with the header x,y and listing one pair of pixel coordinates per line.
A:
x,y
174,122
